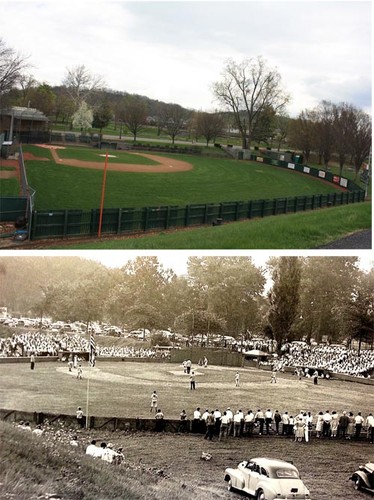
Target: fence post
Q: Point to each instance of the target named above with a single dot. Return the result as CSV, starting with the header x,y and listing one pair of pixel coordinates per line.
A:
x,y
119,220
206,213
238,203
275,206
64,233
187,215
249,215
33,224
146,218
167,217
295,204
285,205
263,208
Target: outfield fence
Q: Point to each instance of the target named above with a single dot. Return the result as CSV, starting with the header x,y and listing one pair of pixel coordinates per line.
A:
x,y
116,221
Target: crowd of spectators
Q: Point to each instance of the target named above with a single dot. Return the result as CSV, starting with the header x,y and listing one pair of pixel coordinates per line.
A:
x,y
335,359
47,344
301,426
300,356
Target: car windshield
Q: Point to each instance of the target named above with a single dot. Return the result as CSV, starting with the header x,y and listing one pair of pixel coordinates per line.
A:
x,y
286,474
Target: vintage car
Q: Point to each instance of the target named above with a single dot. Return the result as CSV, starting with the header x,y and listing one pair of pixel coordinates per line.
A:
x,y
267,479
363,478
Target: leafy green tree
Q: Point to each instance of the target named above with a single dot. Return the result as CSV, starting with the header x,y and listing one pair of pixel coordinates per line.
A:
x,y
284,297
326,287
230,287
360,310
139,291
199,322
102,116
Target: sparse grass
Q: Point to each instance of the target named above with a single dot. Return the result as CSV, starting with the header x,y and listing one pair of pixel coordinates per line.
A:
x,y
303,230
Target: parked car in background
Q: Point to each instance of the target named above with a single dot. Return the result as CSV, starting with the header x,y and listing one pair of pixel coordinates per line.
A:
x,y
363,477
267,479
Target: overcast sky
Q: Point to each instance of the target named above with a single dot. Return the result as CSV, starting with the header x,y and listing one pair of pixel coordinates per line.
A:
x,y
174,51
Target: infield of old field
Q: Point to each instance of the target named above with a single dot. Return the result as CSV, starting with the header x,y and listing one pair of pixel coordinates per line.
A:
x,y
123,389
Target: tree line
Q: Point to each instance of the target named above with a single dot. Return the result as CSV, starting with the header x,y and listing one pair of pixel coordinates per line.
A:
x,y
289,298
250,94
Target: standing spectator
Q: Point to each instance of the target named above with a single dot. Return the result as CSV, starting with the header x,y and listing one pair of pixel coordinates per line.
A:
x,y
70,364
32,361
285,423
268,420
343,424
205,361
217,417
299,428
159,420
319,424
80,417
80,372
230,416
154,401
291,426
210,423
237,423
192,381
277,420
237,379
334,424
370,427
75,364
196,422
326,426
260,420
315,378
351,425
188,366
223,431
359,420
183,421
249,421
308,426
273,377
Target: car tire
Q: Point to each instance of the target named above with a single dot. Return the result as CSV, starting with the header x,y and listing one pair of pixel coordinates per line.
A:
x,y
260,495
229,485
357,483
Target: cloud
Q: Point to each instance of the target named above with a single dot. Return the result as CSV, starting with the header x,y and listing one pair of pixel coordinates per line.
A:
x,y
174,51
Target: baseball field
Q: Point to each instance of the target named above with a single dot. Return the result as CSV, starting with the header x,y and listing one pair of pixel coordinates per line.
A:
x,y
123,389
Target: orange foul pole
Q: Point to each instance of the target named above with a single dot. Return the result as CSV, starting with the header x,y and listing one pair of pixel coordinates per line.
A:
x,y
103,194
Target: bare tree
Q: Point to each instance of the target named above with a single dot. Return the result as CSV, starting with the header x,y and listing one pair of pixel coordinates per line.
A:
x,y
247,89
325,131
209,125
80,84
11,67
362,137
175,122
344,117
303,132
134,114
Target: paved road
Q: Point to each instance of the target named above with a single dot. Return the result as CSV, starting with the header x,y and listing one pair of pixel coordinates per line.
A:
x,y
357,241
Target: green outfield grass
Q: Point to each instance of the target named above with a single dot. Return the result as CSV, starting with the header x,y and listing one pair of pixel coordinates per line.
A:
x,y
210,180
303,230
